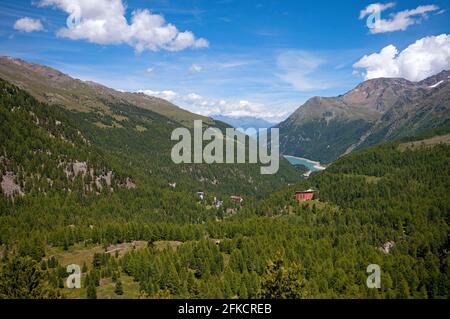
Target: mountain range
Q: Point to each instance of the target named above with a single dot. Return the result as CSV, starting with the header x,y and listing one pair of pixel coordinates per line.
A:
x,y
129,132
325,128
137,126
86,178
54,87
244,122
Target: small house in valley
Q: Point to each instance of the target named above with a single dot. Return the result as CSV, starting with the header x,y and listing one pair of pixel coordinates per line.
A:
x,y
237,198
304,196
201,195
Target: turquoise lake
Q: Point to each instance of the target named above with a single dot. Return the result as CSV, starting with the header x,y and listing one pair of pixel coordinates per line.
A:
x,y
311,165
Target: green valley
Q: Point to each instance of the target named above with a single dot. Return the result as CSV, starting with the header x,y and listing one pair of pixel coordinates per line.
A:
x,y
97,188
160,242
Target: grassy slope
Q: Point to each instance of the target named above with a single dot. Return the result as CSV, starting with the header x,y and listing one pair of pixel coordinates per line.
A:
x,y
54,87
139,147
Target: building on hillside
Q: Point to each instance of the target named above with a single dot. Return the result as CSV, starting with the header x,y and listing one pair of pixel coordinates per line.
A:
x,y
237,198
218,203
305,195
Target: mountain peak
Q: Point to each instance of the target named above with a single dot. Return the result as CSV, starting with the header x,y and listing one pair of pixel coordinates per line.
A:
x,y
52,86
38,68
375,110
244,122
442,76
378,94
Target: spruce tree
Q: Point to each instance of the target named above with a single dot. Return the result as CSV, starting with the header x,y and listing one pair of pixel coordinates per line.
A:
x,y
22,278
84,268
119,289
91,291
281,281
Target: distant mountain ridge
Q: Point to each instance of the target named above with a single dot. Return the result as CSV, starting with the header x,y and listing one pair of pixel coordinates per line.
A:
x,y
54,87
244,122
131,132
323,129
376,110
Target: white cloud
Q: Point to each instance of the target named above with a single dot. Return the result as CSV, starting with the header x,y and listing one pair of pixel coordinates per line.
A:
x,y
28,25
195,68
424,58
150,70
399,21
229,64
297,69
375,7
168,95
104,22
208,107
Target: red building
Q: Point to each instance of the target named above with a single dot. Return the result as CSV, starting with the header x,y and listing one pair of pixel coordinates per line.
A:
x,y
237,199
305,195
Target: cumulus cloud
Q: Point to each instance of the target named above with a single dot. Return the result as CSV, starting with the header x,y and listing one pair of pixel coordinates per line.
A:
x,y
298,67
104,22
168,95
424,58
208,107
399,21
27,24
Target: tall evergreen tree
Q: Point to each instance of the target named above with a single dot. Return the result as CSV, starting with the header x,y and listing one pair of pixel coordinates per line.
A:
x,y
281,281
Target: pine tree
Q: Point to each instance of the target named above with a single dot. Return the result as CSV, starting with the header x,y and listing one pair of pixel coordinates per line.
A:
x,y
84,268
282,282
60,283
243,293
91,291
22,278
119,289
97,260
403,289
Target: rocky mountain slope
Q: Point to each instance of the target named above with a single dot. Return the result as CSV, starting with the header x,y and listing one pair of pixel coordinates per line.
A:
x,y
244,122
118,141
376,110
54,87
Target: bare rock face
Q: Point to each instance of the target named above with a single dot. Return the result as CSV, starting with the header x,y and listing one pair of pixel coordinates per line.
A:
x,y
387,247
9,186
108,178
377,110
379,94
79,168
98,184
129,184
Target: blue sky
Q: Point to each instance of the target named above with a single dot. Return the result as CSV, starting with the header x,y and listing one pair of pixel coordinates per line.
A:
x,y
259,58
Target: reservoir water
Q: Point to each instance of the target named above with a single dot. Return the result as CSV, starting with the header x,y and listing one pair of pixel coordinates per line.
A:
x,y
310,165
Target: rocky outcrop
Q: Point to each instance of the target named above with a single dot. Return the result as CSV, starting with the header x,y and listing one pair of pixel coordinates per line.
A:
x,y
129,184
79,168
9,187
377,110
387,247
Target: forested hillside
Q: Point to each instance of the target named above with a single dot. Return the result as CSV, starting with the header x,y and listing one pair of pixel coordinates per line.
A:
x,y
134,236
49,144
377,110
54,87
224,158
